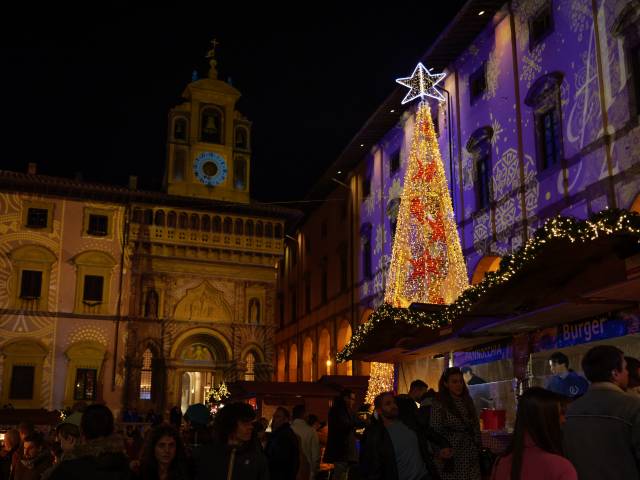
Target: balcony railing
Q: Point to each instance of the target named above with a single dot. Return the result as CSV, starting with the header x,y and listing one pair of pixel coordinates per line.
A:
x,y
192,237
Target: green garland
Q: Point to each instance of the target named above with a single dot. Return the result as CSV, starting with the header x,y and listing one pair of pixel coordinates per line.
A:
x,y
605,223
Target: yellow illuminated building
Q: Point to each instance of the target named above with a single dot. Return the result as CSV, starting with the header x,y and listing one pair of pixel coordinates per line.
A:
x,y
136,298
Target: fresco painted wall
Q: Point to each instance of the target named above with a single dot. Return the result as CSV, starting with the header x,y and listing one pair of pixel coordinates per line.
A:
x,y
56,325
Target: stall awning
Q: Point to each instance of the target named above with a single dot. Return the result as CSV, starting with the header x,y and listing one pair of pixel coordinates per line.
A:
x,y
565,281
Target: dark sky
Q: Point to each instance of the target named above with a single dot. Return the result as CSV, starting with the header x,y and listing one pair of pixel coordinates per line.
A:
x,y
91,94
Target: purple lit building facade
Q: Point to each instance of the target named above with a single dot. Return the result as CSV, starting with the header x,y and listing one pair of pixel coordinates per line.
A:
x,y
541,118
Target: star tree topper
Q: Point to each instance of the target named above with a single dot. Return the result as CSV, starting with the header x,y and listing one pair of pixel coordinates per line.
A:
x,y
422,84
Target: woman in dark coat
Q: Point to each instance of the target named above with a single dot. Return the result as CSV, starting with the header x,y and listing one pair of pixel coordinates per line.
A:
x,y
454,416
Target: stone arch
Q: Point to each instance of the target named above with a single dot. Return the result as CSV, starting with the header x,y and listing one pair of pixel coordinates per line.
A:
x,y
205,224
158,219
282,361
94,258
293,363
324,353
206,335
172,219
256,349
635,205
489,263
344,335
239,227
364,318
307,360
33,254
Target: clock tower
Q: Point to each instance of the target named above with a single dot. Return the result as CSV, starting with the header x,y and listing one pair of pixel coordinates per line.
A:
x,y
209,147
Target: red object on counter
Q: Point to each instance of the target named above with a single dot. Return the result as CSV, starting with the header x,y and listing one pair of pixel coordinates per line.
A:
x,y
493,419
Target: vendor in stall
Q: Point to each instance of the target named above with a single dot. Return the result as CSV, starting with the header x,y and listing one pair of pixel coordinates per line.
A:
x,y
471,378
564,380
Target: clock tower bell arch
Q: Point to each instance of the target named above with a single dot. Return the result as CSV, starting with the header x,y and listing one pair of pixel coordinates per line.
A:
x,y
208,146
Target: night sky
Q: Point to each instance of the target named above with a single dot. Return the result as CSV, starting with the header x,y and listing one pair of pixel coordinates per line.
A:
x,y
92,95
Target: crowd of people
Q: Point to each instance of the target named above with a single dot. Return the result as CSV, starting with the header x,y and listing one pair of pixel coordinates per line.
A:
x,y
590,430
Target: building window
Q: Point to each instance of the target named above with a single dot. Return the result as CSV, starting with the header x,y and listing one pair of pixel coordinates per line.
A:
x,y
479,146
365,238
85,386
393,208
146,374
180,129
483,179
250,373
242,139
22,377
540,25
92,292
477,83
179,161
544,98
30,284
211,125
547,124
394,163
240,173
366,186
37,218
98,225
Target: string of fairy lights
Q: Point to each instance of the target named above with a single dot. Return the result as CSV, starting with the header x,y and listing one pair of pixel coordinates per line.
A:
x,y
604,224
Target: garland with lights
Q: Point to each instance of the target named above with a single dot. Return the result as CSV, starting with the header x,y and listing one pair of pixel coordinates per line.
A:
x,y
603,224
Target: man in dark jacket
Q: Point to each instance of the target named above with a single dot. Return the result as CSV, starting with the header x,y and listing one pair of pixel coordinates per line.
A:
x,y
341,438
101,454
234,454
393,450
602,431
283,450
35,460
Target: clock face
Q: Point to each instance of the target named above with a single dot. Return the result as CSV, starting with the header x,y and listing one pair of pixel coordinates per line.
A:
x,y
210,168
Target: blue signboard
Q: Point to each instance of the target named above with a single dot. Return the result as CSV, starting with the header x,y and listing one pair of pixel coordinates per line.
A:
x,y
483,354
586,331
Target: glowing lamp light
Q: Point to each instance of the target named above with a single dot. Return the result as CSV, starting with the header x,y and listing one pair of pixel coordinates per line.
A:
x,y
480,13
422,84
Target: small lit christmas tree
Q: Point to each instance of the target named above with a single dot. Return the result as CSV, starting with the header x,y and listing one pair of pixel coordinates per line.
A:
x,y
427,265
380,380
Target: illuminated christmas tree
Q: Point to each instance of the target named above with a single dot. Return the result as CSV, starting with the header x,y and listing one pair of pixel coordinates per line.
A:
x,y
427,265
